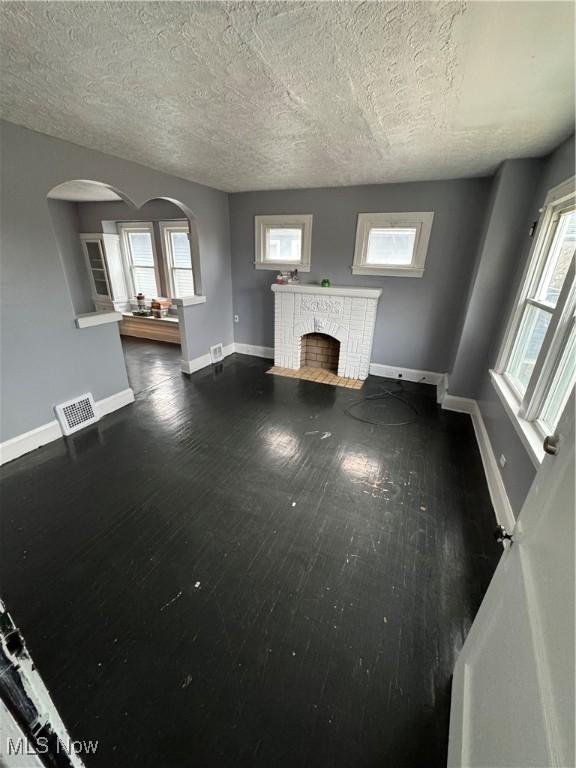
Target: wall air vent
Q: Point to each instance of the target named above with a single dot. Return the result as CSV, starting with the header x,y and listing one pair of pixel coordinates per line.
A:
x,y
76,414
217,353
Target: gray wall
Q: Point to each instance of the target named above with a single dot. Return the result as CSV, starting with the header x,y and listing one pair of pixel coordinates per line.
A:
x,y
46,359
506,235
497,281
91,215
66,228
417,318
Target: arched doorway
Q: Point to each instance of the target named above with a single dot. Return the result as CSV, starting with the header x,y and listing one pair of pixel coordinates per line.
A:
x,y
118,257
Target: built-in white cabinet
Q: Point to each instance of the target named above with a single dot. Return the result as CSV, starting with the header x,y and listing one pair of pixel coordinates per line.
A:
x,y
106,271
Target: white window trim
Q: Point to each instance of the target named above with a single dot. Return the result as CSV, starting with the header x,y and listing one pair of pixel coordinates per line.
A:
x,y
302,221
422,220
529,432
130,226
166,227
524,411
556,196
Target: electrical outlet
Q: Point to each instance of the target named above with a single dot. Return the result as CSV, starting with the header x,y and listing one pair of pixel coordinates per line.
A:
x,y
236,319
502,460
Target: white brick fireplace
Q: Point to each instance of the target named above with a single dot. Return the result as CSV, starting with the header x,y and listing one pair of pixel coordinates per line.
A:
x,y
347,314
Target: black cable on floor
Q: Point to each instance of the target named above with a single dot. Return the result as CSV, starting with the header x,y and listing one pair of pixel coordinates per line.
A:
x,y
384,394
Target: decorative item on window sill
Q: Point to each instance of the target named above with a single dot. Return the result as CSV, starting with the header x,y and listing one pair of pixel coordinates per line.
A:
x,y
282,278
142,311
325,283
160,307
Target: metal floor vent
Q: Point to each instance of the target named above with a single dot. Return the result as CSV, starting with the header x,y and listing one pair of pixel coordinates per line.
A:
x,y
76,414
217,353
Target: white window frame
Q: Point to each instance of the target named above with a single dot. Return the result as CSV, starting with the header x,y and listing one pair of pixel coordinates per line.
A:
x,y
124,228
525,410
421,221
166,227
286,221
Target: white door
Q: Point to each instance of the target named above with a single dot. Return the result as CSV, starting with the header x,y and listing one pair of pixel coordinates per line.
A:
x,y
513,686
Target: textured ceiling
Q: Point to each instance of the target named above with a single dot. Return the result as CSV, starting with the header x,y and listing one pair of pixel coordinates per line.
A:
x,y
294,94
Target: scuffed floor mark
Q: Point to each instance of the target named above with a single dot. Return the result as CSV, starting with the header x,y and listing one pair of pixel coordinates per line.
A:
x,y
187,681
323,436
381,488
170,602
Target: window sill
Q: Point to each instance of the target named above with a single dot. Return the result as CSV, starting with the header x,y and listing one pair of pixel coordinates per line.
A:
x,y
278,266
527,431
387,271
150,318
96,318
188,301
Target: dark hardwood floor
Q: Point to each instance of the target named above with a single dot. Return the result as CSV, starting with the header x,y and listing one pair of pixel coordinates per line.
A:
x,y
149,362
233,572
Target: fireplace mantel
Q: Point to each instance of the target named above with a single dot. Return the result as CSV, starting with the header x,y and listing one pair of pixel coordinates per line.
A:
x,y
334,290
348,314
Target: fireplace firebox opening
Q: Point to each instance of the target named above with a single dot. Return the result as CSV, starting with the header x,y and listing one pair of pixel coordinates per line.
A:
x,y
318,350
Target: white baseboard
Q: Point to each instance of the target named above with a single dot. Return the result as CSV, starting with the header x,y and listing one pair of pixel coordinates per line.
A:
x,y
47,433
254,350
442,389
409,374
114,402
459,404
376,369
29,441
496,487
191,366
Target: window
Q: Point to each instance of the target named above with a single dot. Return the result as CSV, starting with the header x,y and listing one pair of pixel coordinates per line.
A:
x,y
138,247
283,241
536,369
166,271
393,244
176,243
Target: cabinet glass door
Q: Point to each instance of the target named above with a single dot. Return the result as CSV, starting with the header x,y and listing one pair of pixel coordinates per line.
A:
x,y
97,267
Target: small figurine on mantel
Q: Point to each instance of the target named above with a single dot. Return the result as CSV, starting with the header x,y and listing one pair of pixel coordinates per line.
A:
x,y
283,278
